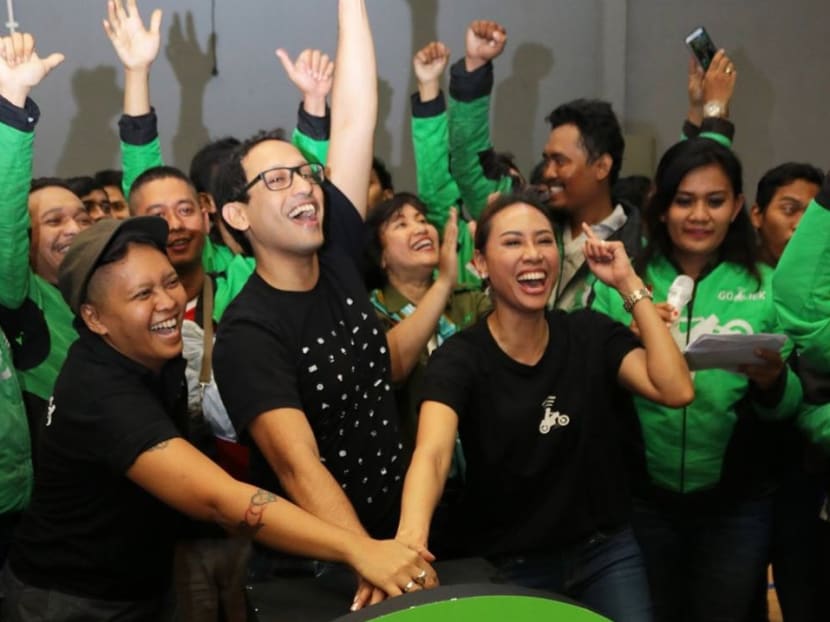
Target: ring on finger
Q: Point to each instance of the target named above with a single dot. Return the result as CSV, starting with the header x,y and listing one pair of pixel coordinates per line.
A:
x,y
421,579
409,586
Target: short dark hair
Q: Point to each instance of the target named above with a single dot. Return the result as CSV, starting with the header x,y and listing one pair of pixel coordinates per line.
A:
x,y
499,164
115,251
204,163
228,184
40,183
485,221
782,175
154,174
739,245
599,130
384,176
83,185
109,177
633,190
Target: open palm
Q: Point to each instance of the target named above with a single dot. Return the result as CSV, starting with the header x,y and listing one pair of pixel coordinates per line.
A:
x,y
136,46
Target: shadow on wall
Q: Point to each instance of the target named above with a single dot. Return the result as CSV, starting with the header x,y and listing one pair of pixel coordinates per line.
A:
x,y
517,115
193,68
424,21
91,138
754,108
384,140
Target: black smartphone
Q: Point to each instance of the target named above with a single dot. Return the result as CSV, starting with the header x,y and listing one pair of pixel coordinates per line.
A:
x,y
702,47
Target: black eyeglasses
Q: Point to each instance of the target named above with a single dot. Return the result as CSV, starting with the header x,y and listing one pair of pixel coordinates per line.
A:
x,y
281,177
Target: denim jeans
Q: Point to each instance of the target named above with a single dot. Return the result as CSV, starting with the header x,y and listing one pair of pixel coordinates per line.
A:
x,y
606,573
703,560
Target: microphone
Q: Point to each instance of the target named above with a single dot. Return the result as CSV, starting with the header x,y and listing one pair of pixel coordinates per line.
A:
x,y
680,293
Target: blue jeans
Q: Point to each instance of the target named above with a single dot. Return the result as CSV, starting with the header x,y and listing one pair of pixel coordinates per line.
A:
x,y
605,573
703,560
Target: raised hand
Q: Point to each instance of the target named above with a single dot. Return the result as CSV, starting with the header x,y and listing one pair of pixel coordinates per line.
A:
x,y
719,81
21,68
610,263
137,47
312,72
431,61
448,257
485,41
695,89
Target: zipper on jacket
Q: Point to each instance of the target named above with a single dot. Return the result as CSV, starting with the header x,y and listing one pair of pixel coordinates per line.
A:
x,y
689,307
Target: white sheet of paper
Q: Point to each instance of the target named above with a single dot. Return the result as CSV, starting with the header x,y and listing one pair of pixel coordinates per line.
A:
x,y
729,351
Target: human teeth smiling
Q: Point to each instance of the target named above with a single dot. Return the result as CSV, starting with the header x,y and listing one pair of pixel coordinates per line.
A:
x,y
166,325
425,244
532,276
302,211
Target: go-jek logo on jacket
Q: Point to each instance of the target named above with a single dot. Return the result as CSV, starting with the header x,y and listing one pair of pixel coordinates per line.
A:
x,y
711,325
741,295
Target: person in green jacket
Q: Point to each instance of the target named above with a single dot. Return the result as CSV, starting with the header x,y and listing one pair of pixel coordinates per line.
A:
x,y
704,542
802,283
38,221
15,450
430,141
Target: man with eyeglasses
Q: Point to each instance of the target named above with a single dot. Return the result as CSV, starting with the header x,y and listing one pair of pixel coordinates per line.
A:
x,y
301,360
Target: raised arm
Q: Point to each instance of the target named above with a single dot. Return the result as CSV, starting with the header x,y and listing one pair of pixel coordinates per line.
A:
x,y
354,103
408,338
137,47
182,477
21,69
471,83
313,74
657,371
710,95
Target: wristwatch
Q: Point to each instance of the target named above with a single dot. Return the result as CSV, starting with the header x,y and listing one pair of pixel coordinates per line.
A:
x,y
714,109
634,297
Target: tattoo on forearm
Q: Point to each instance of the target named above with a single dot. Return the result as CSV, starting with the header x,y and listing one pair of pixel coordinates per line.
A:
x,y
161,445
252,522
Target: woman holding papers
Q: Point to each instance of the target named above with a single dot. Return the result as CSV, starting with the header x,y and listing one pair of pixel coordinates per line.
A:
x,y
704,533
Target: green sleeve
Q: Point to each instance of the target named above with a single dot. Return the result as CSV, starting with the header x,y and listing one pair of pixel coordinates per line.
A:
x,y
801,284
789,404
16,149
722,131
467,274
215,257
608,301
311,136
135,159
814,422
229,284
430,142
313,150
469,130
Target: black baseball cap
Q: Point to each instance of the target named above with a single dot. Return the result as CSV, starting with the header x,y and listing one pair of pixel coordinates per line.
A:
x,y
84,255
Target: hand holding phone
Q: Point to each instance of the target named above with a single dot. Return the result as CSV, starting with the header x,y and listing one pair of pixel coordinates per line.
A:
x,y
702,46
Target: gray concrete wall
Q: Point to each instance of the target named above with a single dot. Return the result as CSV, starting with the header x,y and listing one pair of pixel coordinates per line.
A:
x,y
628,51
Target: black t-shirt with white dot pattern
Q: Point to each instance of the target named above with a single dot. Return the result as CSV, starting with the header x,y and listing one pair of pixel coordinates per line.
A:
x,y
323,352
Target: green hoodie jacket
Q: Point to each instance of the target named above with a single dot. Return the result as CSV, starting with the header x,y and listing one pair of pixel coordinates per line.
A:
x,y
802,283
34,315
436,185
15,447
685,447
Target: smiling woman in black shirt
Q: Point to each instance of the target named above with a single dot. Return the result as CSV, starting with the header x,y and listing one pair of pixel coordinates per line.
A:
x,y
539,399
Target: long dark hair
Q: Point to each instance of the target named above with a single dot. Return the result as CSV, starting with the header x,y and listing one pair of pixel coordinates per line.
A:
x,y
739,244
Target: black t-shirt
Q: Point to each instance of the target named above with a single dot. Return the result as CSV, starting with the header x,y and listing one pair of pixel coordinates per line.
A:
x,y
545,464
89,530
323,352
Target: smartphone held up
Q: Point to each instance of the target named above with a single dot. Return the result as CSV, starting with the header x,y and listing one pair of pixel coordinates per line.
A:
x,y
702,46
